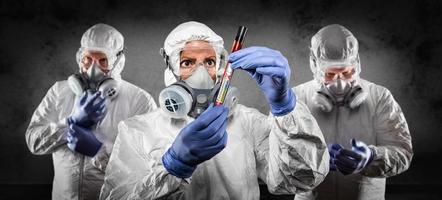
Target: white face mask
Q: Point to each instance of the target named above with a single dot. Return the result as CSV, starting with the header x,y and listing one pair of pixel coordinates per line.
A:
x,y
200,79
94,73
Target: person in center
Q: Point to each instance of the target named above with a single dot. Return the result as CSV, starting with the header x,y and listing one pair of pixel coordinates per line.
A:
x,y
191,149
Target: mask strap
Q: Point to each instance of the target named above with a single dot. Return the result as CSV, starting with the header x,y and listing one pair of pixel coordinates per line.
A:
x,y
168,65
119,55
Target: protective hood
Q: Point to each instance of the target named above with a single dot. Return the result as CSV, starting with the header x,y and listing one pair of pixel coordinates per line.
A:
x,y
333,45
177,39
105,39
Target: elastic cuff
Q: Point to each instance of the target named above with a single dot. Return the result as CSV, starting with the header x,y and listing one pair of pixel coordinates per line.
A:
x,y
372,155
279,110
69,121
62,123
176,167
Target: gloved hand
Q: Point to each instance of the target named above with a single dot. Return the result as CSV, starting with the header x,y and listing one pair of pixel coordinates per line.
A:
x,y
83,141
271,71
197,142
88,112
333,150
350,161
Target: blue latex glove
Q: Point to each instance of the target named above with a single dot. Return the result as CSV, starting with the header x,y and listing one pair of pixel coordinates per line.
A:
x,y
351,161
83,141
333,150
197,142
89,110
271,71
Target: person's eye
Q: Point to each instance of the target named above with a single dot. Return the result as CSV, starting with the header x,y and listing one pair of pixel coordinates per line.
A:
x,y
210,63
87,60
186,63
103,62
330,75
347,74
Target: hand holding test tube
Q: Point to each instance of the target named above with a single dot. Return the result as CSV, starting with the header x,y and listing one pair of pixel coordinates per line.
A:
x,y
228,72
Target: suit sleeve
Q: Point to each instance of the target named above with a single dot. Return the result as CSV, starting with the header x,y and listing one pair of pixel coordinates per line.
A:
x,y
393,149
46,131
291,152
135,169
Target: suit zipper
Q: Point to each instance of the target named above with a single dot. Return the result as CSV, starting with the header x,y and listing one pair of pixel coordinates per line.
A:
x,y
337,135
80,182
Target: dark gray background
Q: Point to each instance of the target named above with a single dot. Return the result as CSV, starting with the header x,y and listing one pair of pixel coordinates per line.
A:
x,y
400,48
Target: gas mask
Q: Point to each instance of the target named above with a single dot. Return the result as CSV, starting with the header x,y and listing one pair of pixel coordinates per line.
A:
x,y
193,96
94,79
339,93
94,73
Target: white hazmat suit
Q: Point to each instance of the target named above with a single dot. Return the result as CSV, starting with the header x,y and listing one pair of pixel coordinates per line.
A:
x,y
77,176
378,121
287,152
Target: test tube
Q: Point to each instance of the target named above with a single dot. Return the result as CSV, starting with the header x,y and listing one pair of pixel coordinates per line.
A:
x,y
228,71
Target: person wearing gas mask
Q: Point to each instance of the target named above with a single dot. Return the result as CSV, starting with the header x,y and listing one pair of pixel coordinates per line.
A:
x,y
77,120
190,149
364,127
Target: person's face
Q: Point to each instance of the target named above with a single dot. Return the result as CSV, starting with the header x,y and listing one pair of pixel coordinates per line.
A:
x,y
344,73
90,56
194,54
